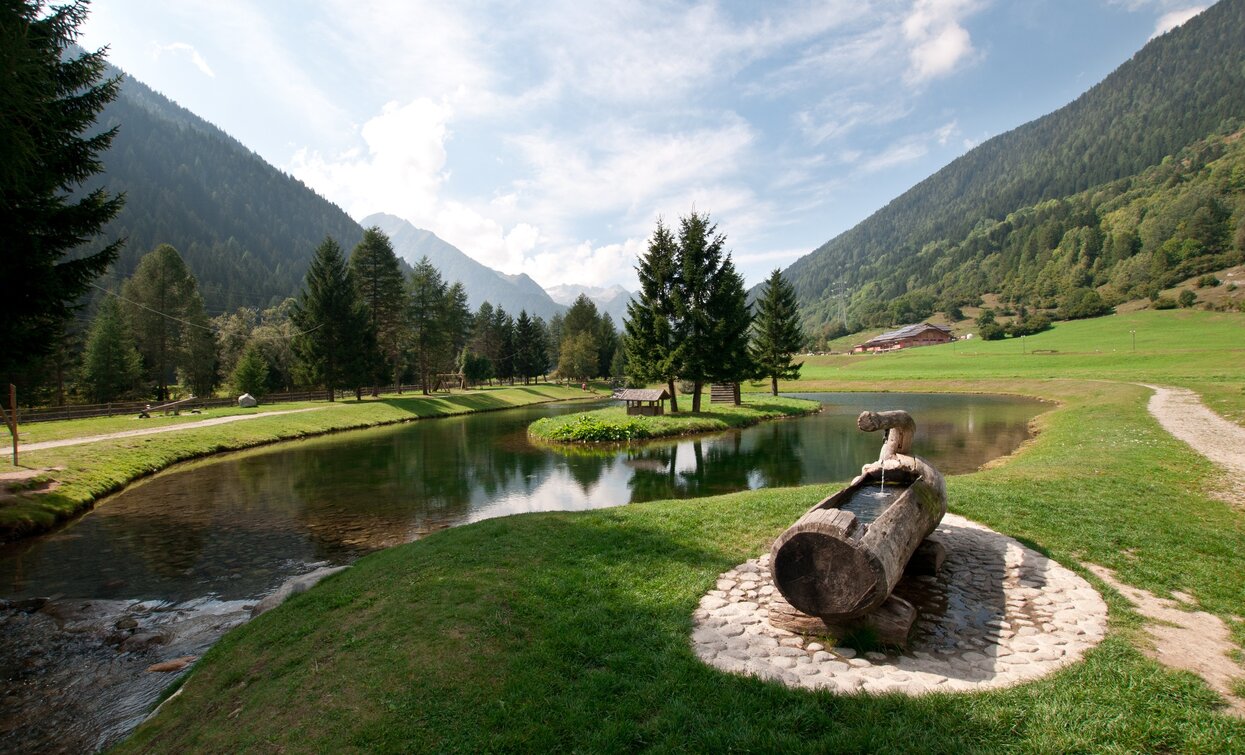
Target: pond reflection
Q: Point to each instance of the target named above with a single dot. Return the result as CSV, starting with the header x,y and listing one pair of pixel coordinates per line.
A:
x,y
237,526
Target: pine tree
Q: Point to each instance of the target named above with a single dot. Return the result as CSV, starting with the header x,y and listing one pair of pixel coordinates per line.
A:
x,y
251,373
699,265
429,342
170,326
777,337
732,319
333,343
607,343
649,327
378,279
51,95
111,366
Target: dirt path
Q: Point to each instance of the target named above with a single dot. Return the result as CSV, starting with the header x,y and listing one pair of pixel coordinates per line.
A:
x,y
1182,413
154,430
1183,637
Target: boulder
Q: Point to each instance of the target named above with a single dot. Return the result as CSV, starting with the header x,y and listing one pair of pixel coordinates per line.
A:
x,y
247,401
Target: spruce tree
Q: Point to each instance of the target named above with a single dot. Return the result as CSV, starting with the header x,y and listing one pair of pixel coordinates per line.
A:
x,y
333,340
649,327
170,326
111,366
777,337
701,250
251,373
378,280
732,319
50,95
430,346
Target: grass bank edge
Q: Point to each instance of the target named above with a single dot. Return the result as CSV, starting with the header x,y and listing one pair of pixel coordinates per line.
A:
x,y
560,630
78,477
612,424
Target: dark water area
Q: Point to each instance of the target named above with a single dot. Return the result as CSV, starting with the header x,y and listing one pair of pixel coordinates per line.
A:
x,y
176,560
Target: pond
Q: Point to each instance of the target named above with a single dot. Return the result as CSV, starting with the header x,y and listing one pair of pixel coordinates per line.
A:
x,y
185,553
235,527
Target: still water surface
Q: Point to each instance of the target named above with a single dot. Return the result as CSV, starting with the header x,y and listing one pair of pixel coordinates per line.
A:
x,y
236,527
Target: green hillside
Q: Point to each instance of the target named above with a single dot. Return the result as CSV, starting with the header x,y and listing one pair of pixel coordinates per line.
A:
x,y
245,229
1180,88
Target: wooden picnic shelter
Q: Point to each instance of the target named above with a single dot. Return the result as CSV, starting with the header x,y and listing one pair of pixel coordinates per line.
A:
x,y
646,402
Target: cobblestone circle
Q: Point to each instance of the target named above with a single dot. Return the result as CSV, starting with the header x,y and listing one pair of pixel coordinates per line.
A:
x,y
997,614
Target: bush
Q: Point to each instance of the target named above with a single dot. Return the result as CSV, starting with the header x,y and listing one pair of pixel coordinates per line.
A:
x,y
1164,302
586,427
992,332
1207,281
1187,298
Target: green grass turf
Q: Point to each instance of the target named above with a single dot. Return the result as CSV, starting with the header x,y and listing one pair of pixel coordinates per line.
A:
x,y
570,631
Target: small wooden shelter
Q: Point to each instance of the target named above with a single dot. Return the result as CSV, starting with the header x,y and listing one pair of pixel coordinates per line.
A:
x,y
646,402
724,393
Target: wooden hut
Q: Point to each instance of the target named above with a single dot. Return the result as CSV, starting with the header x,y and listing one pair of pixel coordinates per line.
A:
x,y
724,393
646,402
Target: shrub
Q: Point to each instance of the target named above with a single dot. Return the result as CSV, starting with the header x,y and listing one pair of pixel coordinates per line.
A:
x,y
1187,298
1207,281
1164,302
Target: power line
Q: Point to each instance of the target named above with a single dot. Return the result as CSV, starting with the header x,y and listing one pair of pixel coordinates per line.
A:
x,y
208,328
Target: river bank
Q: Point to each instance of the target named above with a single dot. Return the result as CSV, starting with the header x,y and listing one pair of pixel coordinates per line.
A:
x,y
56,484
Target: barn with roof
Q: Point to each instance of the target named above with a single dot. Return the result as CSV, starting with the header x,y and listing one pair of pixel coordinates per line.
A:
x,y
920,334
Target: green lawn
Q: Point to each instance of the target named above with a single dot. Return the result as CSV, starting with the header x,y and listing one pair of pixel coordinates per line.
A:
x,y
83,474
613,423
570,632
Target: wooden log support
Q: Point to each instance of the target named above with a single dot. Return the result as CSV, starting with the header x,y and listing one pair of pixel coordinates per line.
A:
x,y
829,565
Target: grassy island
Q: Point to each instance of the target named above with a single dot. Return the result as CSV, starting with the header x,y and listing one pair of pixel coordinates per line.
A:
x,y
613,424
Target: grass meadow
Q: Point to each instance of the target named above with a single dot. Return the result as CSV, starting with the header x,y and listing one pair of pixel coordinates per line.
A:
x,y
570,631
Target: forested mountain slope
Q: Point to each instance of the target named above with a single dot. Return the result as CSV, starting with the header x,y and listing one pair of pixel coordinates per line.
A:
x,y
246,230
514,293
1181,87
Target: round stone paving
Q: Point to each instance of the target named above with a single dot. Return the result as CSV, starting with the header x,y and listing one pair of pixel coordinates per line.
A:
x,y
997,614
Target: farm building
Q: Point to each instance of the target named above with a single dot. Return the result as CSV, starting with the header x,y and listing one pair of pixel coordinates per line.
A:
x,y
921,334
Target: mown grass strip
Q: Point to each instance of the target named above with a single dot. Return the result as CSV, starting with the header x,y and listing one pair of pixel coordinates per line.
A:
x,y
83,474
613,424
561,632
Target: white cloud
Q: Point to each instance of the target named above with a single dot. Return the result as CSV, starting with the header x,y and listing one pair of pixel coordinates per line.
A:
x,y
401,170
910,148
938,42
189,51
1175,18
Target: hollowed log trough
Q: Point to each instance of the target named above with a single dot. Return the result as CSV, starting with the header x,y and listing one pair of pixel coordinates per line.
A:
x,y
837,572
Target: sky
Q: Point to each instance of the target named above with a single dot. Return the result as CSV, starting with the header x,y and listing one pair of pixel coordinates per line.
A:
x,y
548,137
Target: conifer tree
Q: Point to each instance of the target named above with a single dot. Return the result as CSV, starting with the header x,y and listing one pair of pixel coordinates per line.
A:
x,y
251,373
111,366
431,347
777,337
172,330
732,319
50,95
699,263
649,327
378,279
333,342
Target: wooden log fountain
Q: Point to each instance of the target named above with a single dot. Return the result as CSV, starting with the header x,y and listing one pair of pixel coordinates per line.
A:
x,y
836,571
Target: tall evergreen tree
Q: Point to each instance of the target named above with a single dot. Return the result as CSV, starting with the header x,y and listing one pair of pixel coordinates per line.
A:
x,y
50,96
732,319
503,329
429,341
607,343
701,250
111,366
649,328
171,328
528,345
250,375
458,319
378,279
777,337
332,345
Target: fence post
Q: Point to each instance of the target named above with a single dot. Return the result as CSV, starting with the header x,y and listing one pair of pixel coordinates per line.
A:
x,y
10,418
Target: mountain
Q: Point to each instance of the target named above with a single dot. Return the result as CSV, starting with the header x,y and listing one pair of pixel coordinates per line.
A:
x,y
511,292
1181,87
245,229
612,300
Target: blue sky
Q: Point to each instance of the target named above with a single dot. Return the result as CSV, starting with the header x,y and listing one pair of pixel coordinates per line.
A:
x,y
547,137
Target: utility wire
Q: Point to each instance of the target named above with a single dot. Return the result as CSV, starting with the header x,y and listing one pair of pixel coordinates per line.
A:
x,y
187,322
